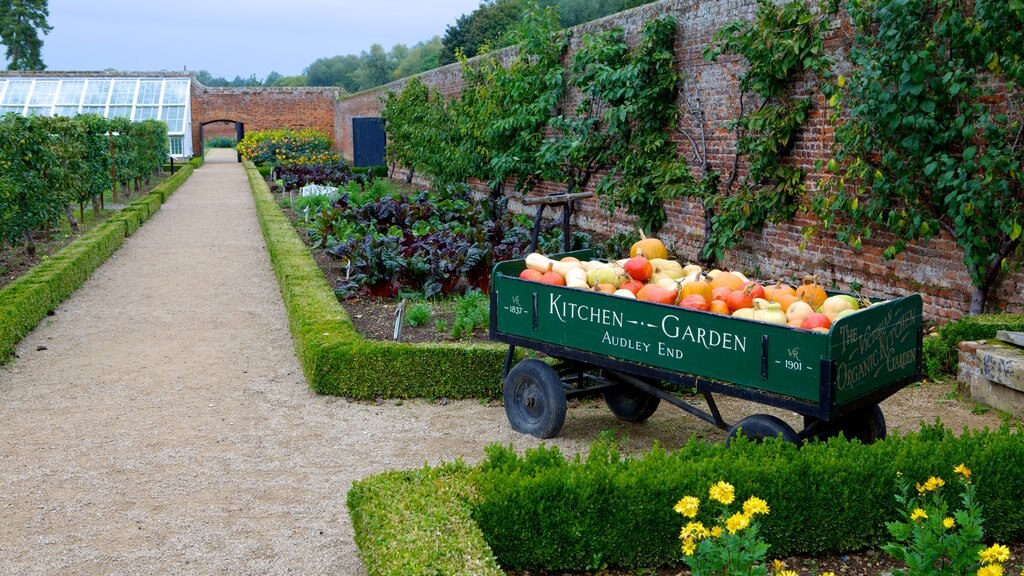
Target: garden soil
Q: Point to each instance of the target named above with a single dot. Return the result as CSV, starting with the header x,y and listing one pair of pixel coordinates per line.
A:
x,y
159,422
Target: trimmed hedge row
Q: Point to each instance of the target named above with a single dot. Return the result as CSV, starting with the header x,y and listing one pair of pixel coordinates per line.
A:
x,y
544,511
941,356
335,358
419,522
27,300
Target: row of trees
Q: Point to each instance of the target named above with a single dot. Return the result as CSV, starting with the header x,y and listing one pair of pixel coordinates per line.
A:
x,y
48,164
928,126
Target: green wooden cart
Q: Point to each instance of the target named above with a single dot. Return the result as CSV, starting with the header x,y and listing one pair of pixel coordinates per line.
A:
x,y
637,354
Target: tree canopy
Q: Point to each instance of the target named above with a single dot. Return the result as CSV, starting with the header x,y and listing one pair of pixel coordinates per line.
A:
x,y
21,21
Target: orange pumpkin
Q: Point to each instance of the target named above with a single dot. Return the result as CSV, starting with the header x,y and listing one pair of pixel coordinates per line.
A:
x,y
698,286
655,293
727,279
811,292
719,307
784,300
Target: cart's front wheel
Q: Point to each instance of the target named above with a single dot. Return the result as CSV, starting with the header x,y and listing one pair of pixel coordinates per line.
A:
x,y
761,426
535,399
630,403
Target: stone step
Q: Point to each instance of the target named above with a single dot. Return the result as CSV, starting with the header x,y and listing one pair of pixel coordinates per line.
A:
x,y
1003,364
1015,338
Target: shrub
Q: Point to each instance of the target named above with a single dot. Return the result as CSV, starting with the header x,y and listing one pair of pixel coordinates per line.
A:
x,y
418,315
543,510
219,142
281,146
940,352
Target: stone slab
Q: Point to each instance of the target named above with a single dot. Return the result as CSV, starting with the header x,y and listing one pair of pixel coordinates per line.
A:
x,y
1002,364
1015,338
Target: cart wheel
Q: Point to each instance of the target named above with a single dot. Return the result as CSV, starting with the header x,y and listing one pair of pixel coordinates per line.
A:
x,y
866,424
630,403
535,399
761,426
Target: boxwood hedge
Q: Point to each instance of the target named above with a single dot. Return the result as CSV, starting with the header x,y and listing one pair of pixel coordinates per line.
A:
x,y
541,510
27,300
335,358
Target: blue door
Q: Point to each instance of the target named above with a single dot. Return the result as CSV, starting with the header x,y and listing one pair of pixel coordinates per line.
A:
x,y
368,141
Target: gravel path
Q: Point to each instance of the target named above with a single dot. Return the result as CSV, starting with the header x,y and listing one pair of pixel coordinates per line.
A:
x,y
166,428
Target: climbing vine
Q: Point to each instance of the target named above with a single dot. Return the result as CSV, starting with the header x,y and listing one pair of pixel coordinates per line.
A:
x,y
932,138
780,45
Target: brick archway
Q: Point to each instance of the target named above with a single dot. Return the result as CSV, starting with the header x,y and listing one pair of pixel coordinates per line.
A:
x,y
263,109
239,134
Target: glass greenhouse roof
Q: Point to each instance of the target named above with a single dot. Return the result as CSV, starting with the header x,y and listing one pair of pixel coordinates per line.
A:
x,y
136,98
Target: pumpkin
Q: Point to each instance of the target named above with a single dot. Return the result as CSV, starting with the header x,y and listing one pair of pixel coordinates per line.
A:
x,y
698,286
816,320
811,292
553,278
728,280
719,307
655,293
694,302
738,299
773,292
531,274
650,247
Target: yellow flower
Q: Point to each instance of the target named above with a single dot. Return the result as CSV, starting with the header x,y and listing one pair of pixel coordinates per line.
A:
x,y
994,553
737,522
723,492
755,505
689,547
717,531
963,471
688,506
694,530
787,573
931,485
778,565
991,570
918,514
827,574
948,522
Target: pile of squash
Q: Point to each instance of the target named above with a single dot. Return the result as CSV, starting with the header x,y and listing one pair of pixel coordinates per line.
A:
x,y
650,276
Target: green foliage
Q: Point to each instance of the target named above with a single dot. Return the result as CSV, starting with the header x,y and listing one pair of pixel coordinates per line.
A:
x,y
284,146
487,26
472,312
781,44
620,124
336,359
48,163
932,144
418,315
21,21
419,523
731,545
540,509
940,352
219,142
929,539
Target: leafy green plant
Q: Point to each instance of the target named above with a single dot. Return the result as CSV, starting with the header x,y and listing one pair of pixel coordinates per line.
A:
x,y
219,142
930,143
472,312
418,315
931,540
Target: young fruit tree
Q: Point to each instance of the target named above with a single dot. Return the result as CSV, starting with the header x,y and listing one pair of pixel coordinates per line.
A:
x,y
929,135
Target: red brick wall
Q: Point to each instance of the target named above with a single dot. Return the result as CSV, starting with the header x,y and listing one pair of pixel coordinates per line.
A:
x,y
264,108
935,270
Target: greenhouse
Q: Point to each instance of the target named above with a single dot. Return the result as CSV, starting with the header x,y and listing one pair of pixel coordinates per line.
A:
x,y
133,97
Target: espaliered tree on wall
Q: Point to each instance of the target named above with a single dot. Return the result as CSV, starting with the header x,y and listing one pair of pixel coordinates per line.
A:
x,y
620,127
929,140
781,45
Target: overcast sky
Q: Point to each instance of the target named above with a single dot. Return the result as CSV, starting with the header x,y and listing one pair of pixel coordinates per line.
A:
x,y
234,37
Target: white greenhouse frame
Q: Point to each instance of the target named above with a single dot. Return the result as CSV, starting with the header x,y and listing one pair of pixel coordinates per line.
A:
x,y
134,97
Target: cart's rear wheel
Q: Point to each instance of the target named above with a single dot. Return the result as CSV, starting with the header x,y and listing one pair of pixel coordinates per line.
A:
x,y
761,426
535,399
866,424
630,403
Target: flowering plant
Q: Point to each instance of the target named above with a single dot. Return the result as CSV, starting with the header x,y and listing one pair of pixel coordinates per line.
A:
x,y
731,545
932,541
